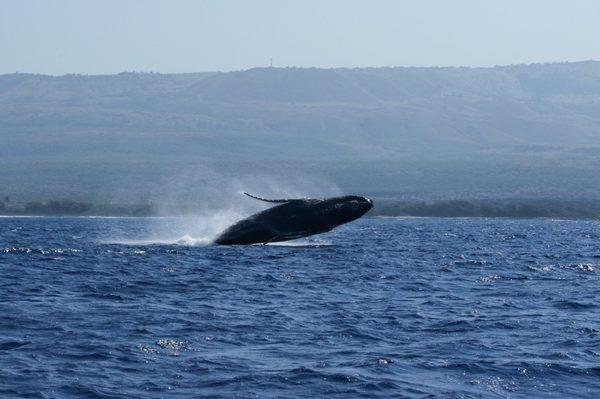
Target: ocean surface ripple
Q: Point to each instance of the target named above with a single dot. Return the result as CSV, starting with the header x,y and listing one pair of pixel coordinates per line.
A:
x,y
383,307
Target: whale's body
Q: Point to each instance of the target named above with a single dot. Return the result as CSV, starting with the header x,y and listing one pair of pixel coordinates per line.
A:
x,y
294,218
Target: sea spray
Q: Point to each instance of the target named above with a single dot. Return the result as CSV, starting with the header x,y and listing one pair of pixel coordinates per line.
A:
x,y
215,209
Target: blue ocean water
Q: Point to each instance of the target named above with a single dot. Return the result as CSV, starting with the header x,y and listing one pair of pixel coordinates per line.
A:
x,y
380,308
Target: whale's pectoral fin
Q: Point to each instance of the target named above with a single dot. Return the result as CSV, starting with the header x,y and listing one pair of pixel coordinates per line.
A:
x,y
277,201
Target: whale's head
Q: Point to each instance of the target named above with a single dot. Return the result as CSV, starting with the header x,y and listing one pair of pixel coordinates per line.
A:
x,y
347,208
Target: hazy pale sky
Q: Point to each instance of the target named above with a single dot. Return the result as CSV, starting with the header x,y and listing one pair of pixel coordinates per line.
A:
x,y
109,36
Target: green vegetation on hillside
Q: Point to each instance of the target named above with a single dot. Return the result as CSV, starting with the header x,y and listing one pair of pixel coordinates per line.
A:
x,y
445,208
504,209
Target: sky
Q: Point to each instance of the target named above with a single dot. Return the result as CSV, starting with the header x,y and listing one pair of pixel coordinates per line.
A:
x,y
109,36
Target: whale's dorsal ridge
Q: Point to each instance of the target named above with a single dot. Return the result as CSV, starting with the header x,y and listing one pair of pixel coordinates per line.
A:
x,y
275,201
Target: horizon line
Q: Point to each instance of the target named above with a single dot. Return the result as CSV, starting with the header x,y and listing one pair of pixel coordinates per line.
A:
x,y
141,72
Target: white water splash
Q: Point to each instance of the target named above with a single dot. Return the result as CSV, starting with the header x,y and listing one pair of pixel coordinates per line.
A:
x,y
184,231
225,206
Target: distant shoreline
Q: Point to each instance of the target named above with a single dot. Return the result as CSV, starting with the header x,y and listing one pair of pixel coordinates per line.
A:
x,y
513,209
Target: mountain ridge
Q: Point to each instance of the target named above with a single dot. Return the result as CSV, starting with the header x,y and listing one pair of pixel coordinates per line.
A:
x,y
545,115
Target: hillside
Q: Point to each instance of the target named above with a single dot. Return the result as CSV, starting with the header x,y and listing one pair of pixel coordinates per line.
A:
x,y
526,130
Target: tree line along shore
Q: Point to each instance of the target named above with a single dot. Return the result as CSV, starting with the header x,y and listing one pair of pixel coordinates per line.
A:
x,y
559,209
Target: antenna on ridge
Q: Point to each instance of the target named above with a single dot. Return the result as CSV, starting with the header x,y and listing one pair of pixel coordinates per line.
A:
x,y
271,63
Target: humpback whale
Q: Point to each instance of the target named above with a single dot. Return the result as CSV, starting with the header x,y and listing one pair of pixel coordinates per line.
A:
x,y
294,218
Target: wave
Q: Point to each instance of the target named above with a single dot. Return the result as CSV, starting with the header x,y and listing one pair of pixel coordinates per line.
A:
x,y
189,241
185,241
301,244
43,251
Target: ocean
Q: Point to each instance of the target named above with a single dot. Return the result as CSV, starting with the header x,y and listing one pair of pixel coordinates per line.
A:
x,y
379,308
